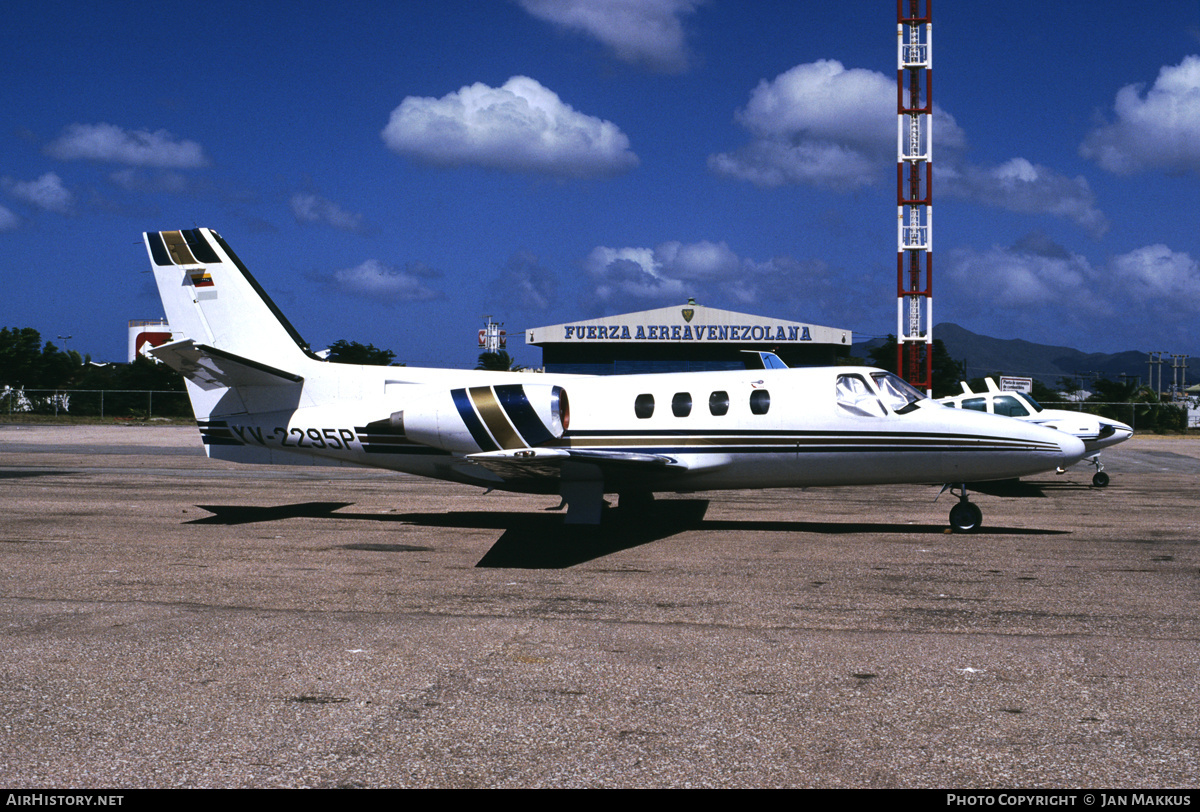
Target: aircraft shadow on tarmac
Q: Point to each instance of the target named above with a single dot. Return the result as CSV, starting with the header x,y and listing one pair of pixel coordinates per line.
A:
x,y
541,540
31,472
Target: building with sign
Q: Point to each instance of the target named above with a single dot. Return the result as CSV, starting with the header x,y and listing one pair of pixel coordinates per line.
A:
x,y
684,338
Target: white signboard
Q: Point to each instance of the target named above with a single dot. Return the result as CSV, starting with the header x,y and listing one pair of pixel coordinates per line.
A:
x,y
1012,384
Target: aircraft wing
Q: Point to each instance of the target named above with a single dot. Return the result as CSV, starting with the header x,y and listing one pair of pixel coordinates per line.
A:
x,y
210,368
548,463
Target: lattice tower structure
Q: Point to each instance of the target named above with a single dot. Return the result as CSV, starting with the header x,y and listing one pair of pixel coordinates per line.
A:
x,y
914,193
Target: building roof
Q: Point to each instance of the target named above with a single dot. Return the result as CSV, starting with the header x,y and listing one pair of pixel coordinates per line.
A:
x,y
690,324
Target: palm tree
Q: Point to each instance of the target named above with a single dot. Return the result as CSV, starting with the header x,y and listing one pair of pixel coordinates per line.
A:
x,y
499,361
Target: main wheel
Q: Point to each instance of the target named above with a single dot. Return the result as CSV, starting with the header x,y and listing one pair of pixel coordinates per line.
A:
x,y
1100,479
965,517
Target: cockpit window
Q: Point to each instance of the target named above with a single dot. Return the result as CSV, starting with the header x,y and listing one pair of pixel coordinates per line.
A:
x,y
1033,404
975,404
900,396
1009,406
856,397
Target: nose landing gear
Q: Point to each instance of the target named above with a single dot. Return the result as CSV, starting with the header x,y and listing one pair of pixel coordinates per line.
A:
x,y
965,517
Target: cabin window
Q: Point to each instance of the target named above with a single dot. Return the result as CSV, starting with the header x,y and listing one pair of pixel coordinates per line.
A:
x,y
643,406
856,397
975,404
1009,406
681,404
760,401
718,403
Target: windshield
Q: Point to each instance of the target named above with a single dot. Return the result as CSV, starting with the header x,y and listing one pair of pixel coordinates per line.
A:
x,y
1033,404
900,396
854,396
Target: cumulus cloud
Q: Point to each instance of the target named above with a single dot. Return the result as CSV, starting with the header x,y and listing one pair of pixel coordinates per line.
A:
x,y
641,32
1160,129
1156,273
1021,186
376,281
520,126
1033,273
8,220
312,208
46,193
1036,286
822,124
525,284
108,142
632,275
710,272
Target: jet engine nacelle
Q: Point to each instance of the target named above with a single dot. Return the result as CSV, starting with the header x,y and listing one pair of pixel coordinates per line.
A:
x,y
486,418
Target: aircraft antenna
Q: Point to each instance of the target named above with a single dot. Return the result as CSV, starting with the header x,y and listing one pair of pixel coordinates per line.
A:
x,y
914,193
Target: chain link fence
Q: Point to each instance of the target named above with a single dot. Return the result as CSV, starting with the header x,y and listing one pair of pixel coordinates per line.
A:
x,y
1138,416
140,403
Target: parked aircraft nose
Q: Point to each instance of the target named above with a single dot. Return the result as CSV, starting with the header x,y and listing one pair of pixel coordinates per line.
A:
x,y
1115,431
1060,447
1071,448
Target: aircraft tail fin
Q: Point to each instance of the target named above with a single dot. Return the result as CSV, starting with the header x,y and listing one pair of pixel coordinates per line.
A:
x,y
237,351
211,298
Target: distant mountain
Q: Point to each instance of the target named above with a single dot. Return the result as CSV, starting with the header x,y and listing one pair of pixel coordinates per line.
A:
x,y
1013,356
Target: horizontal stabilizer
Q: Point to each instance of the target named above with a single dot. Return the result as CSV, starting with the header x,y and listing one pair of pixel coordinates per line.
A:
x,y
210,368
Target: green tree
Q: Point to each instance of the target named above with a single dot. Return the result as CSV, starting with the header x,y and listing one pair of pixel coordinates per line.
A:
x,y
946,371
1041,392
1069,386
24,361
351,352
498,361
125,388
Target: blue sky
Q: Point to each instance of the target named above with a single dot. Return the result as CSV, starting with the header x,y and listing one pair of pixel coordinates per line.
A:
x,y
393,171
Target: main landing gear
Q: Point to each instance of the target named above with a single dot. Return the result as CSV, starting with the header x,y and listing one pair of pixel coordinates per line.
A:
x,y
965,517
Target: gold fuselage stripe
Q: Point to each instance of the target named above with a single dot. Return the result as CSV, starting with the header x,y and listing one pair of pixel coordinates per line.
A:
x,y
178,248
493,417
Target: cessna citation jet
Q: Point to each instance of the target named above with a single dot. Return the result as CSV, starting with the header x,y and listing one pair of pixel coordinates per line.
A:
x,y
1096,432
261,396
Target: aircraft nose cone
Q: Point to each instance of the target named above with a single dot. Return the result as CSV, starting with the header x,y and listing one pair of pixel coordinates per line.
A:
x,y
1071,448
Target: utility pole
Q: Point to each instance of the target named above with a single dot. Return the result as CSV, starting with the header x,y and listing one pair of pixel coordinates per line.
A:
x,y
1178,362
1156,361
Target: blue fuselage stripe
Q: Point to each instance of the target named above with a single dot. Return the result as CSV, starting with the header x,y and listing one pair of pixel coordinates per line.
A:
x,y
522,414
466,411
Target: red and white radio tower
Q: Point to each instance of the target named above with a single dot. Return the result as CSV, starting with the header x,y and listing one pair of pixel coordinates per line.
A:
x,y
914,193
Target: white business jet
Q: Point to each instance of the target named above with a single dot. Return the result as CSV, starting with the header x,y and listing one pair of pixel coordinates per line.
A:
x,y
1096,432
261,396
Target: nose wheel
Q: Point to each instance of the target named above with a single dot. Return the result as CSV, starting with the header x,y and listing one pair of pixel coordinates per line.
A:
x,y
965,517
